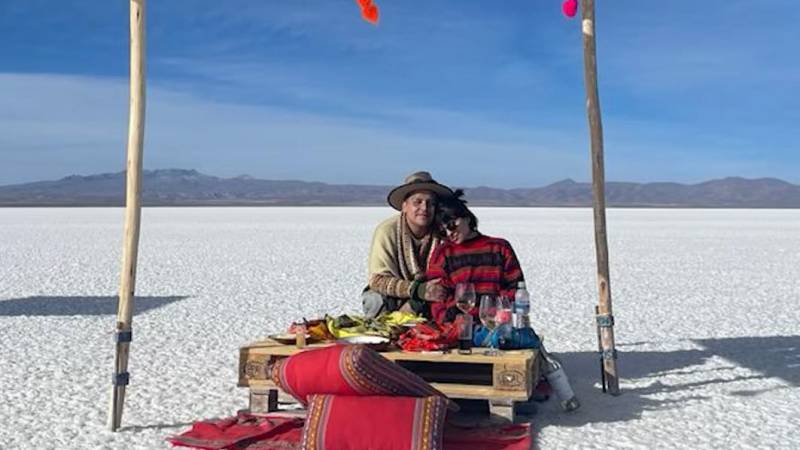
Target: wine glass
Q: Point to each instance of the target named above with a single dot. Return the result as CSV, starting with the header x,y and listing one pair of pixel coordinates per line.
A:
x,y
465,297
487,312
503,318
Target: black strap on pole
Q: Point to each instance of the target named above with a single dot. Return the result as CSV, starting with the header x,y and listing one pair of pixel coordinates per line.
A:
x,y
120,379
123,336
604,320
600,348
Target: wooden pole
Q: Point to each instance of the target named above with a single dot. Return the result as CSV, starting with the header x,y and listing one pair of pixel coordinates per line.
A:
x,y
604,316
132,210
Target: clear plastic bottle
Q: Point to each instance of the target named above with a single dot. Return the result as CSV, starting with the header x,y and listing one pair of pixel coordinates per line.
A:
x,y
522,307
557,377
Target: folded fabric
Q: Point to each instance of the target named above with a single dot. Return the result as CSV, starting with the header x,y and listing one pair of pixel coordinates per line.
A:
x,y
429,336
345,370
278,432
374,422
505,338
243,431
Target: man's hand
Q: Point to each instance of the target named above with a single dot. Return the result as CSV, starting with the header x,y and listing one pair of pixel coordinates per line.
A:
x,y
433,291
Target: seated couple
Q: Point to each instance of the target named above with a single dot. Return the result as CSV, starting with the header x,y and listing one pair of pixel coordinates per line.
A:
x,y
418,256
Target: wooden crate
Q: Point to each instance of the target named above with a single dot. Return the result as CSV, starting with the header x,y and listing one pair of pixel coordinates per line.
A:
x,y
503,380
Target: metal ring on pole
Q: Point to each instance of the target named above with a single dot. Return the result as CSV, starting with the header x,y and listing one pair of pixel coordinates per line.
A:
x,y
609,354
605,320
123,336
120,379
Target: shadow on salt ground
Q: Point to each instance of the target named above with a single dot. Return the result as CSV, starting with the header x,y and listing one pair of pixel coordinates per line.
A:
x,y
78,306
160,426
770,357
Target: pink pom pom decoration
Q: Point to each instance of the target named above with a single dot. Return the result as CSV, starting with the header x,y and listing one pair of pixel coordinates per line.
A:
x,y
570,7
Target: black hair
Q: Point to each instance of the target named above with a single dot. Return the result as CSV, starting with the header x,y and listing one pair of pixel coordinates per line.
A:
x,y
454,207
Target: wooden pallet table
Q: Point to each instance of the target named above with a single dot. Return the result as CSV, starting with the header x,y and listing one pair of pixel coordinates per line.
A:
x,y
506,381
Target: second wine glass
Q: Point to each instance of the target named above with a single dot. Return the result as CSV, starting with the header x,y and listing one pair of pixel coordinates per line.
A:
x,y
465,297
487,312
503,320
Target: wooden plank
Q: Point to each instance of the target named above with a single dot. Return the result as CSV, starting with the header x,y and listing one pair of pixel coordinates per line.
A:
x,y
513,377
470,391
452,390
507,356
508,377
274,348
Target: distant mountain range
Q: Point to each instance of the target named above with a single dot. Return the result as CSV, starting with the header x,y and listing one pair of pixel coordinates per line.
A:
x,y
178,187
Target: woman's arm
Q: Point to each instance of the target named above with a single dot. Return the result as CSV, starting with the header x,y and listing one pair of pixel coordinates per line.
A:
x,y
512,272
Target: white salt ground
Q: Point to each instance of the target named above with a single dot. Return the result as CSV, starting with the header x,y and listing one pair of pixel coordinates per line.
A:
x,y
706,303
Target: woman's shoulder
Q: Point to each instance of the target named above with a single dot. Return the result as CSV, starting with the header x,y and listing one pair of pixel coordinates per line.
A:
x,y
494,241
491,239
446,246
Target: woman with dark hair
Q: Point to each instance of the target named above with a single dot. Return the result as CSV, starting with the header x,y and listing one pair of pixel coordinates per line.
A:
x,y
467,256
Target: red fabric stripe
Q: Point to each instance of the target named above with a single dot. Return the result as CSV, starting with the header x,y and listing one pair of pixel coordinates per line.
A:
x,y
489,263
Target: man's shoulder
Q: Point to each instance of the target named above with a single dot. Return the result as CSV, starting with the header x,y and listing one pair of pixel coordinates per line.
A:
x,y
388,224
386,228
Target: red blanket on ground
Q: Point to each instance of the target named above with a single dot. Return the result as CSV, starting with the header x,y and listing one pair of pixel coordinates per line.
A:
x,y
244,432
508,437
280,432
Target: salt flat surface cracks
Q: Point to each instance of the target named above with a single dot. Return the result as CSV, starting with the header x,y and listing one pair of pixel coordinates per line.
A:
x,y
705,301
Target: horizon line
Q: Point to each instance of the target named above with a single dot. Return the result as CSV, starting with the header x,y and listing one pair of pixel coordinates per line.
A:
x,y
250,177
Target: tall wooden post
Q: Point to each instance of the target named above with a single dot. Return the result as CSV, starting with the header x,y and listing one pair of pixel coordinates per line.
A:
x,y
132,210
605,318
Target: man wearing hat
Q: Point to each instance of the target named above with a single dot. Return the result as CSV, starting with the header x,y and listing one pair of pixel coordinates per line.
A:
x,y
400,250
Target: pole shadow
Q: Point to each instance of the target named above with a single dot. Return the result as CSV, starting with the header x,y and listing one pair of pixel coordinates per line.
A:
x,y
775,359
158,426
78,305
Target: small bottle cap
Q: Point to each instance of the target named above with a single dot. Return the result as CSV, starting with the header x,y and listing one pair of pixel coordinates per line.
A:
x,y
520,285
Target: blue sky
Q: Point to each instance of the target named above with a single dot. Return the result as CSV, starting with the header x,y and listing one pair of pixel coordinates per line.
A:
x,y
476,93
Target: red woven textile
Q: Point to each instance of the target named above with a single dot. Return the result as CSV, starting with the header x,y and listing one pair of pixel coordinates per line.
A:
x,y
346,370
374,422
276,432
244,432
509,437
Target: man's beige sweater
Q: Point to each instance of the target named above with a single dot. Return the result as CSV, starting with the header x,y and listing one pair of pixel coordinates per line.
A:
x,y
396,257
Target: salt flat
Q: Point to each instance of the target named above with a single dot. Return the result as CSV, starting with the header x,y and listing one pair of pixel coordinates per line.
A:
x,y
706,303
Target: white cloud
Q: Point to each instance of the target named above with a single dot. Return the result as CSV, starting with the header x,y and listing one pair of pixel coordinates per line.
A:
x,y
79,124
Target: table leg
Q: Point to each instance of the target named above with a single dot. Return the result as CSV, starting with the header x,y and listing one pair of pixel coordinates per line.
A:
x,y
502,408
263,400
513,411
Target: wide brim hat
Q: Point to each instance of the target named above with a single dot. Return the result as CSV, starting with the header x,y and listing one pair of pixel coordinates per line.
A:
x,y
417,181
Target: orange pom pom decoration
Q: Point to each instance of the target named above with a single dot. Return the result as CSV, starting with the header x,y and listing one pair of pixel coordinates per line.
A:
x,y
369,11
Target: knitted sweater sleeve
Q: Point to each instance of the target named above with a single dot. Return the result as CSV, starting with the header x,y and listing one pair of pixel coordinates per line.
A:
x,y
437,268
389,285
384,275
512,272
